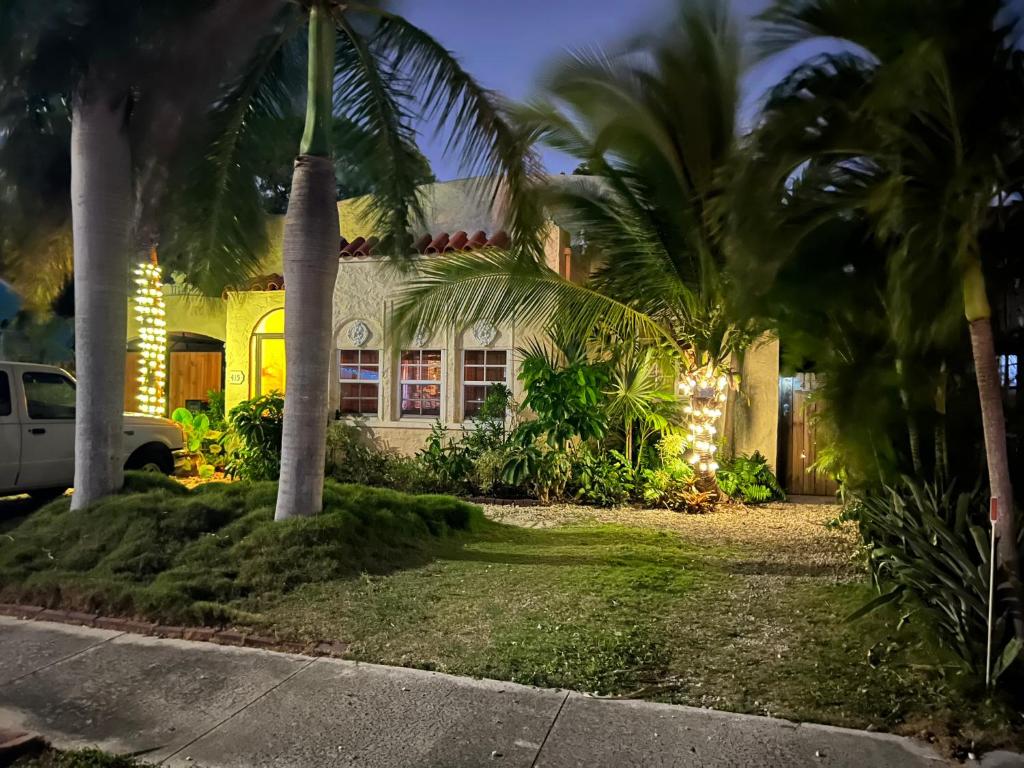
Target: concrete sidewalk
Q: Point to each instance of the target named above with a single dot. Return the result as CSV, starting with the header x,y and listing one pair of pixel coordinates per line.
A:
x,y
199,704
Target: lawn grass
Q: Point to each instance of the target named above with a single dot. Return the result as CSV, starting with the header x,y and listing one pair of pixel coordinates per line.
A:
x,y
210,555
740,610
78,758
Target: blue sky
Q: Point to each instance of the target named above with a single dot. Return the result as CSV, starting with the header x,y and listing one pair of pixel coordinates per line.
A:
x,y
506,45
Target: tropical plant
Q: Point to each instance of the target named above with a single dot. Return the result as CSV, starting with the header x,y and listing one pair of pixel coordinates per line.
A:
x,y
541,468
200,440
564,392
602,479
256,427
749,479
446,458
110,90
929,552
915,127
375,70
655,125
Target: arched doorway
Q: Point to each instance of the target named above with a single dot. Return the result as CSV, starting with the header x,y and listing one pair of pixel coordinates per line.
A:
x,y
267,368
195,367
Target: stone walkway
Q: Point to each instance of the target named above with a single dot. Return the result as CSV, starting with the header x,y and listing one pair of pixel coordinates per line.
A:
x,y
198,704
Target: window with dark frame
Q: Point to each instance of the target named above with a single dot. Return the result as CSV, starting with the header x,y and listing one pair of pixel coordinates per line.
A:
x,y
481,370
359,372
420,382
1009,372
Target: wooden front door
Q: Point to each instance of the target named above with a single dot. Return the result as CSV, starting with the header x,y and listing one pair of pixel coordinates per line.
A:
x,y
798,439
192,375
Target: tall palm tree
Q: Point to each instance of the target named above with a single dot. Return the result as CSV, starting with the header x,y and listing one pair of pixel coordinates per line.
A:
x,y
371,70
654,123
123,80
930,119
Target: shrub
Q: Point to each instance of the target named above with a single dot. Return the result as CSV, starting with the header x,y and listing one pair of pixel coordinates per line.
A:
x,y
202,442
602,479
928,550
750,479
447,460
255,435
205,555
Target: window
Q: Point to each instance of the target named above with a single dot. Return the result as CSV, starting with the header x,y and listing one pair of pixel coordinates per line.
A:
x,y
421,382
359,371
49,396
1009,372
5,395
481,370
268,369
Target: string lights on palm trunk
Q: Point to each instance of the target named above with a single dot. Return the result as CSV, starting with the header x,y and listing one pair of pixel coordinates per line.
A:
x,y
149,314
707,389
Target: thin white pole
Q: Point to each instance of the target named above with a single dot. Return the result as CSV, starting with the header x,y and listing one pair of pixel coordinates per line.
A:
x,y
993,517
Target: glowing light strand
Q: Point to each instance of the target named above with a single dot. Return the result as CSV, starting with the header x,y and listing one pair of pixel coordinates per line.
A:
x,y
707,388
150,315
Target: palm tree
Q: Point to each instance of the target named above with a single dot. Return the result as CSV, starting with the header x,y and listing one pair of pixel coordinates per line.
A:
x,y
923,108
367,70
123,80
654,125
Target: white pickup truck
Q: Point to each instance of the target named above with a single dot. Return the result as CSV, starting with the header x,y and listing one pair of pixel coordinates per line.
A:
x,y
37,433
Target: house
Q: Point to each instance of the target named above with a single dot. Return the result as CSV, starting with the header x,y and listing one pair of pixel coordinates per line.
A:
x,y
236,342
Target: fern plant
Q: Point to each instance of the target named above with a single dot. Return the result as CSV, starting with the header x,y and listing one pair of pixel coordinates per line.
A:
x,y
749,479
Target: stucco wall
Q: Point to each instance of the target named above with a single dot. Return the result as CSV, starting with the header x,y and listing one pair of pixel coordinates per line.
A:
x,y
188,314
754,410
364,292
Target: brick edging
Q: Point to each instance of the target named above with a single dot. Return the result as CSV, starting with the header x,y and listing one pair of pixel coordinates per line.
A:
x,y
153,629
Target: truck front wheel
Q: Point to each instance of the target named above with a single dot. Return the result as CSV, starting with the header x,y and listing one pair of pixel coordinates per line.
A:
x,y
151,458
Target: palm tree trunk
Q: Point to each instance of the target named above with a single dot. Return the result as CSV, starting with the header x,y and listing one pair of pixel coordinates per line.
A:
x,y
101,204
311,237
979,318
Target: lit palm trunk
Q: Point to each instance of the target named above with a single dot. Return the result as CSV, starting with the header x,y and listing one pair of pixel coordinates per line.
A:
x,y
979,320
101,203
311,239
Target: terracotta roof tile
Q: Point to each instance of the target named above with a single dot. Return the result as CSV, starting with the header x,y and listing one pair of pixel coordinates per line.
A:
x,y
429,244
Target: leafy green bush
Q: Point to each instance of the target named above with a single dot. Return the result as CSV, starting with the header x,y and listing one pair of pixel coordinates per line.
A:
x,y
205,555
602,479
202,442
928,546
215,410
255,431
750,479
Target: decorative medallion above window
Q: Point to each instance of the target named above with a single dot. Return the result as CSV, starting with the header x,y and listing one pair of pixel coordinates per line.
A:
x,y
421,338
485,332
359,333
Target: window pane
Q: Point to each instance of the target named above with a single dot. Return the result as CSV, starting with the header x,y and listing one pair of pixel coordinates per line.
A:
x,y
371,356
432,356
495,374
474,357
431,372
369,373
474,373
496,357
349,356
350,390
49,396
5,395
410,356
476,393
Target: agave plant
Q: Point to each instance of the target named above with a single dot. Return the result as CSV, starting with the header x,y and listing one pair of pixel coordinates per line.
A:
x,y
655,125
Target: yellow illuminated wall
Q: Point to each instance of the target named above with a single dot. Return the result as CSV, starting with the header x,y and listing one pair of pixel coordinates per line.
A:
x,y
268,370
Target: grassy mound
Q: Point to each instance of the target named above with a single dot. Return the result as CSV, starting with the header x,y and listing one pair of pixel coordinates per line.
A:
x,y
167,553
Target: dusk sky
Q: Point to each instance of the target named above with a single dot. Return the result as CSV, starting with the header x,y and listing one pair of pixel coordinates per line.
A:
x,y
506,45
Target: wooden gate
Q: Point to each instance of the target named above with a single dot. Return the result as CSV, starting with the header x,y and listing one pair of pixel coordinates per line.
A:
x,y
797,438
190,376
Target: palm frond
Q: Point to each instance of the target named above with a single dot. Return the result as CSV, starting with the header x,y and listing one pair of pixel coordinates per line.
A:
x,y
371,93
214,228
478,130
461,288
